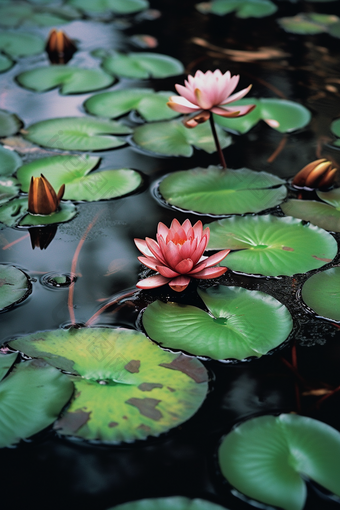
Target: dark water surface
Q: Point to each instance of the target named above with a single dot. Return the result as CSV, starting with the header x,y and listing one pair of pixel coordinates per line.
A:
x,y
52,472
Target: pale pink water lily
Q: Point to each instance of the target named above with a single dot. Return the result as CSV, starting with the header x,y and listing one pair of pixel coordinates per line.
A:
x,y
178,256
207,93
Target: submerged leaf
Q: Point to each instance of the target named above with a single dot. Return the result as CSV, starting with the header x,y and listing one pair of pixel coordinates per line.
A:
x,y
271,246
129,389
215,191
268,458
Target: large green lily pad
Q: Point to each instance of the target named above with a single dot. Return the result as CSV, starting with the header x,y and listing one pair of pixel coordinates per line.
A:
x,y
77,133
268,459
20,44
170,503
151,105
284,116
71,80
9,161
172,138
73,172
215,191
14,213
6,363
116,6
321,292
239,323
9,123
142,65
241,8
8,188
16,14
271,246
14,286
31,398
308,23
326,216
5,63
129,389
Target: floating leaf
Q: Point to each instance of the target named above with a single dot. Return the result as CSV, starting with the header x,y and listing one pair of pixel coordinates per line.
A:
x,y
321,292
77,133
9,161
31,397
142,65
242,8
240,323
129,389
149,104
6,362
335,128
8,189
320,214
216,191
271,246
17,14
72,80
170,503
14,286
15,213
9,123
310,23
5,63
73,172
172,138
284,116
268,458
21,44
116,6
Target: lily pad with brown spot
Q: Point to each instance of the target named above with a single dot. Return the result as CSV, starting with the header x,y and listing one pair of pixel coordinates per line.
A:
x,y
127,388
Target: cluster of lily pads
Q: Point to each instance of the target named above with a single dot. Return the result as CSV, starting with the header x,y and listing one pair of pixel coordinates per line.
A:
x,y
118,385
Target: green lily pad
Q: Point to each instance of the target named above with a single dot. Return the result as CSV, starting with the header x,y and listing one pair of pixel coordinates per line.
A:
x,y
150,105
271,246
15,213
129,389
8,189
9,123
6,363
31,396
170,503
241,8
321,292
14,286
310,23
20,44
142,65
215,191
71,80
335,128
268,459
284,116
73,172
5,63
239,323
326,216
172,138
17,14
77,133
9,161
115,6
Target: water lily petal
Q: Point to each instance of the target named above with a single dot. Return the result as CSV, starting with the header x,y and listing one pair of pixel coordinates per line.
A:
x,y
187,92
233,111
216,258
152,282
180,283
197,254
167,272
211,272
162,230
184,266
149,262
172,254
237,96
155,249
181,105
142,246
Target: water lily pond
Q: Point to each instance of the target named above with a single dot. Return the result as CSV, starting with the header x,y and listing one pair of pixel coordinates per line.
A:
x,y
170,266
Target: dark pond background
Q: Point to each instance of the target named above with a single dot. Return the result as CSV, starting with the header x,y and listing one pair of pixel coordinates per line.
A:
x,y
52,472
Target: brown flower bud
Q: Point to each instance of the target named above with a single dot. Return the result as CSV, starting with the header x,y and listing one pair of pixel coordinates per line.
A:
x,y
60,47
42,199
318,174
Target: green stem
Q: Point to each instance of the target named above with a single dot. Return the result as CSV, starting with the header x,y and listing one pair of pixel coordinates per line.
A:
x,y
217,142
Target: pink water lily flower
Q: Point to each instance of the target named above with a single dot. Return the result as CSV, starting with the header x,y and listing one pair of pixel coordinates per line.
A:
x,y
177,256
207,93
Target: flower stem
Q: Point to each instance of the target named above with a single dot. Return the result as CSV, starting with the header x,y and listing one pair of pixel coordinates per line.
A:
x,y
217,142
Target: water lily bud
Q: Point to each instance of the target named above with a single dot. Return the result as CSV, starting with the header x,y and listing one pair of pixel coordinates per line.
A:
x,y
318,174
60,47
42,199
